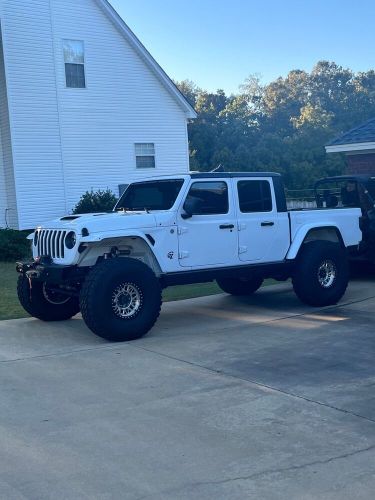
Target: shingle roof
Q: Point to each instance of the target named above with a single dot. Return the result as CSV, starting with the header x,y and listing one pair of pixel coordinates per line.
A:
x,y
360,134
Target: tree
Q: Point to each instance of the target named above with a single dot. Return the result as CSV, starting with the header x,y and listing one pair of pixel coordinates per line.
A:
x,y
96,201
281,126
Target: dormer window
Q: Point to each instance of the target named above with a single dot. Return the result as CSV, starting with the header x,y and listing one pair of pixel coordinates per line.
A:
x,y
74,58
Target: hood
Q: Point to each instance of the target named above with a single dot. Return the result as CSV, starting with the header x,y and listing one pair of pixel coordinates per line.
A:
x,y
102,222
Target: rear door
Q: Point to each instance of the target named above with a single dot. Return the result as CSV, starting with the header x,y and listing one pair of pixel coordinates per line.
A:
x,y
263,232
209,237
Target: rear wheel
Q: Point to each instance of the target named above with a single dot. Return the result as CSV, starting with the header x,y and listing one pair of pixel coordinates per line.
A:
x,y
240,286
120,299
321,276
42,301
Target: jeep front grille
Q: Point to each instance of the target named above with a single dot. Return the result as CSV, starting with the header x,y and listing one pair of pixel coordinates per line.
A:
x,y
51,243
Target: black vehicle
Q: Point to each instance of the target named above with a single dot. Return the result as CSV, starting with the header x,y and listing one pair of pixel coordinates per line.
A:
x,y
352,191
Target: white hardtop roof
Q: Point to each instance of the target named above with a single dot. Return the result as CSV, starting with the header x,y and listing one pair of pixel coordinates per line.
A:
x,y
147,57
204,175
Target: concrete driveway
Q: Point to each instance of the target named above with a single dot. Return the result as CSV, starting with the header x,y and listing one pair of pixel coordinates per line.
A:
x,y
258,398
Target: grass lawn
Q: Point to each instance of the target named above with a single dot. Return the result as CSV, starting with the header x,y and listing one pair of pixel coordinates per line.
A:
x,y
11,309
9,305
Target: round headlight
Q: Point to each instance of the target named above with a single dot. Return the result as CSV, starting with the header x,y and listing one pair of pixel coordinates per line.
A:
x,y
36,238
70,240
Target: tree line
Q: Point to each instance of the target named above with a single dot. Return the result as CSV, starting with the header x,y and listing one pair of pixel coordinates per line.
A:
x,y
282,126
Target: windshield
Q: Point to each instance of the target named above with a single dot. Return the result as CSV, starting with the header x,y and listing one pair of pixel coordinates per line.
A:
x,y
151,195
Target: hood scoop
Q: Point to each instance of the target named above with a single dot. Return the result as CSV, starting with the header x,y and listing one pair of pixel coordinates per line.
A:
x,y
70,217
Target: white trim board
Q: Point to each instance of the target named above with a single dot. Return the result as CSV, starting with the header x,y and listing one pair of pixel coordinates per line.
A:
x,y
347,148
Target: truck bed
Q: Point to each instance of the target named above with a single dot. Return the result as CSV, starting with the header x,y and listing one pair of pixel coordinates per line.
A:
x,y
346,220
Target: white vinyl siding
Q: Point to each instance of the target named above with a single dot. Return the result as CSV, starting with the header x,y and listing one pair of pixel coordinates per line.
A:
x,y
123,105
33,111
64,141
8,200
3,193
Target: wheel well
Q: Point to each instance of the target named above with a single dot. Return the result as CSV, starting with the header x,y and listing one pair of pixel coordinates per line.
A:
x,y
331,234
132,247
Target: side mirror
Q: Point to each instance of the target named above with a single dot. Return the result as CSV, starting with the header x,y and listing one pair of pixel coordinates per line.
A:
x,y
186,216
190,207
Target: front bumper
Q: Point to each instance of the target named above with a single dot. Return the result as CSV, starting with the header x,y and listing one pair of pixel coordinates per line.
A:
x,y
45,271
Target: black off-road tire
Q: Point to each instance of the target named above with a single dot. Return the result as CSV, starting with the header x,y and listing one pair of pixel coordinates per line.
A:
x,y
35,301
106,290
311,271
240,286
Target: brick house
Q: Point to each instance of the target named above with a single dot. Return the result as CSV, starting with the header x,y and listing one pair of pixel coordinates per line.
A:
x,y
358,145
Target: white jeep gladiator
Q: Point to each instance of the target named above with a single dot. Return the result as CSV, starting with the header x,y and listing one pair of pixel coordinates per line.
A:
x,y
193,228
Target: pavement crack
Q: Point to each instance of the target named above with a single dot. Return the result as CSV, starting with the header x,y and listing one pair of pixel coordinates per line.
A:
x,y
260,474
293,467
61,353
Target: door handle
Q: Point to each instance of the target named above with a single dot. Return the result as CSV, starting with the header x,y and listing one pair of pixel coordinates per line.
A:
x,y
266,224
227,226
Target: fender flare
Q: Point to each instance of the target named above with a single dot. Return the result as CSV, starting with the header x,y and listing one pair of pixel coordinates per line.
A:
x,y
108,235
302,234
101,237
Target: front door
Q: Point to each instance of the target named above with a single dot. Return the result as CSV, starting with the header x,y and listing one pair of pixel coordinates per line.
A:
x,y
209,236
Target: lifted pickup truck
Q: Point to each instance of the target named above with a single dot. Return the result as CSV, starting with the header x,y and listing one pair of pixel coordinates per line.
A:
x,y
193,228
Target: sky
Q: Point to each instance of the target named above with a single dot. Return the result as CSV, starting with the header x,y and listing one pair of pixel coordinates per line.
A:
x,y
218,44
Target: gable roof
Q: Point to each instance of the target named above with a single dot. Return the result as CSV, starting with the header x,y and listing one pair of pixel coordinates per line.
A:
x,y
141,50
358,138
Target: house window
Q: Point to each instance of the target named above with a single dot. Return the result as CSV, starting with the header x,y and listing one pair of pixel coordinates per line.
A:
x,y
145,155
74,58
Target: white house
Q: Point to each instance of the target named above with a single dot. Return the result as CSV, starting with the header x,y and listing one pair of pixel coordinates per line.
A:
x,y
82,105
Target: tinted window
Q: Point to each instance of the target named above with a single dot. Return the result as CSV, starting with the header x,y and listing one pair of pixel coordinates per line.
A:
x,y
155,195
208,198
254,196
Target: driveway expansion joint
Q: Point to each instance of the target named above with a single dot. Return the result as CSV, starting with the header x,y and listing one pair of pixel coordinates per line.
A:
x,y
257,384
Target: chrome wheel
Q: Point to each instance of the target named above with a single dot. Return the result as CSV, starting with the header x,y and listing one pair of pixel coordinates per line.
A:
x,y
327,274
54,297
126,301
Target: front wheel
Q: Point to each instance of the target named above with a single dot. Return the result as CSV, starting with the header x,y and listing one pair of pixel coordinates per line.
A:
x,y
120,299
240,286
321,276
45,303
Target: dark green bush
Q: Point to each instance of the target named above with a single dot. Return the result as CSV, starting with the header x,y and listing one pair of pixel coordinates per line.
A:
x,y
14,245
96,201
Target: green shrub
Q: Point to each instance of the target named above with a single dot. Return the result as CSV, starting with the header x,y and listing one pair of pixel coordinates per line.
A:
x,y
96,201
14,245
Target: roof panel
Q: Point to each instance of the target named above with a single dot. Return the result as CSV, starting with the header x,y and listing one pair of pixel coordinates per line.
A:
x,y
360,134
